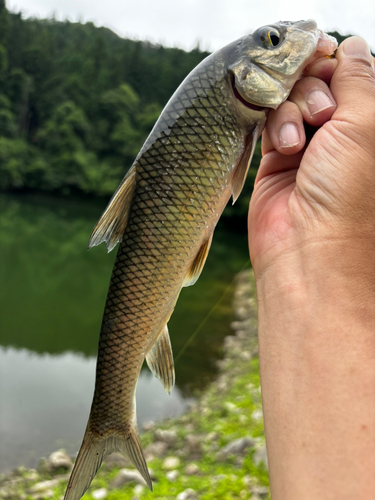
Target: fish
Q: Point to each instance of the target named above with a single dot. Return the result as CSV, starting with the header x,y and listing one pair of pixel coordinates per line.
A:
x,y
164,214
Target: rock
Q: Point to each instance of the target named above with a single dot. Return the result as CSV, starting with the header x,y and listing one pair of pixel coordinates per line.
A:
x,y
260,491
32,475
169,437
260,456
212,436
242,335
229,342
157,449
194,445
214,447
42,496
188,494
63,477
248,480
171,463
42,466
43,486
58,460
236,447
232,408
99,494
148,426
172,475
11,494
218,477
126,476
138,490
192,470
245,355
240,325
20,471
257,415
116,459
242,313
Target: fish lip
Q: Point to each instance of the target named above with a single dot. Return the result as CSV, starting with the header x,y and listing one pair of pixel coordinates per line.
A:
x,y
238,96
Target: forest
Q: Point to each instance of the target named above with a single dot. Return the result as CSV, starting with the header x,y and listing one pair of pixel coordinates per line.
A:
x,y
77,102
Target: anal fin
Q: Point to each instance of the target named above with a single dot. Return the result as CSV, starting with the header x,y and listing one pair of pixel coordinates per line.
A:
x,y
198,263
111,225
160,360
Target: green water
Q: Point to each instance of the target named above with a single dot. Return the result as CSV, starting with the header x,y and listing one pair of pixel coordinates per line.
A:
x,y
52,296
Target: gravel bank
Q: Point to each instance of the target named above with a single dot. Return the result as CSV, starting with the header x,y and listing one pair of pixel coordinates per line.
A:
x,y
215,451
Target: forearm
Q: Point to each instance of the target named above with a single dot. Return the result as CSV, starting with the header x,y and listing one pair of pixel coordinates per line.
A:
x,y
317,359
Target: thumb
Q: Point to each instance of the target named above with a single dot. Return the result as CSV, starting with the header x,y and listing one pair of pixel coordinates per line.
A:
x,y
353,84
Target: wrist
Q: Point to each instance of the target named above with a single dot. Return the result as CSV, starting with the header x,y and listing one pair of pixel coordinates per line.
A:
x,y
316,338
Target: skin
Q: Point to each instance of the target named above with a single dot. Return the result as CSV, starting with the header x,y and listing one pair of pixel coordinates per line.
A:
x,y
312,242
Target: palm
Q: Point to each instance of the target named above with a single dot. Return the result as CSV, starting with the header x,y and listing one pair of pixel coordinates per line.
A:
x,y
286,199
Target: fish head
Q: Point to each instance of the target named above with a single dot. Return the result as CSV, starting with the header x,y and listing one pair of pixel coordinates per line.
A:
x,y
268,62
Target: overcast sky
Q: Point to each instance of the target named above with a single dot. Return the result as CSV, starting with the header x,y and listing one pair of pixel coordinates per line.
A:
x,y
212,23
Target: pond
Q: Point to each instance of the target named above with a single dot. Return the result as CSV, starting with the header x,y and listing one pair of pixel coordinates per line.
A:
x,y
52,298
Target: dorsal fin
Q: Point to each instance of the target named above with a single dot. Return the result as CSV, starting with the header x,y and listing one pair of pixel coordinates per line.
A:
x,y
198,263
111,225
242,167
160,360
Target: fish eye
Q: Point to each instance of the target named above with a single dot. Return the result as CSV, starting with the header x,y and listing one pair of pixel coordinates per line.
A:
x,y
274,38
270,38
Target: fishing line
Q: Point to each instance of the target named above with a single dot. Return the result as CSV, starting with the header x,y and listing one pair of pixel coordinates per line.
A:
x,y
205,319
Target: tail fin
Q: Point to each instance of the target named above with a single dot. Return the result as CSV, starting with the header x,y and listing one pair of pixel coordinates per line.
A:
x,y
92,453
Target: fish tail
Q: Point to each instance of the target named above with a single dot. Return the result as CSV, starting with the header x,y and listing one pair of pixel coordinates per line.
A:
x,y
92,453
131,446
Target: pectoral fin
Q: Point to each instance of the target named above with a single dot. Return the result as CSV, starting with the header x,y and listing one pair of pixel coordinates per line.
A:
x,y
160,360
198,263
111,225
242,167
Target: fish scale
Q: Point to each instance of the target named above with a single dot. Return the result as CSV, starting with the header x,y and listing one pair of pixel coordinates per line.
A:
x,y
140,276
164,214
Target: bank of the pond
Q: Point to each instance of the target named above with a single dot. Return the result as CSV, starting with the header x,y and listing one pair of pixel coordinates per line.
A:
x,y
215,451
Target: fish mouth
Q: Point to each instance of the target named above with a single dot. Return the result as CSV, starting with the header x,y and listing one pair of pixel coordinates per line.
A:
x,y
249,105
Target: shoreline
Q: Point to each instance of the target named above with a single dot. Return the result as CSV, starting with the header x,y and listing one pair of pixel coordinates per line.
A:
x,y
214,451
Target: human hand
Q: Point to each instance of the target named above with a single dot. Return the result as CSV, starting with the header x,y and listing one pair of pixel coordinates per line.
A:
x,y
312,245
325,191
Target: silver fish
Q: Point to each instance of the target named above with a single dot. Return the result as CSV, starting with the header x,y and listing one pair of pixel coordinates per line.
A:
x,y
165,212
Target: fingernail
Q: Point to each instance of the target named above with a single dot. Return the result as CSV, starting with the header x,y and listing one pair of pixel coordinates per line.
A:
x,y
289,136
317,101
356,46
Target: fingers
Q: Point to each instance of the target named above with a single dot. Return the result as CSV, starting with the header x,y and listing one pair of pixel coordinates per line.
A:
x,y
284,130
311,101
342,88
314,100
322,68
353,85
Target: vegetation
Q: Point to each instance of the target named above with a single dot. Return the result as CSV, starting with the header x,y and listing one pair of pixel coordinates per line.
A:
x,y
227,413
77,102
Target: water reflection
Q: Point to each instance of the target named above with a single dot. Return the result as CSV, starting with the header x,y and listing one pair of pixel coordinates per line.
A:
x,y
41,395
52,296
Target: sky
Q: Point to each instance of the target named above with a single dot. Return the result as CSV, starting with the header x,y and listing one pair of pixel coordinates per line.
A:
x,y
211,23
